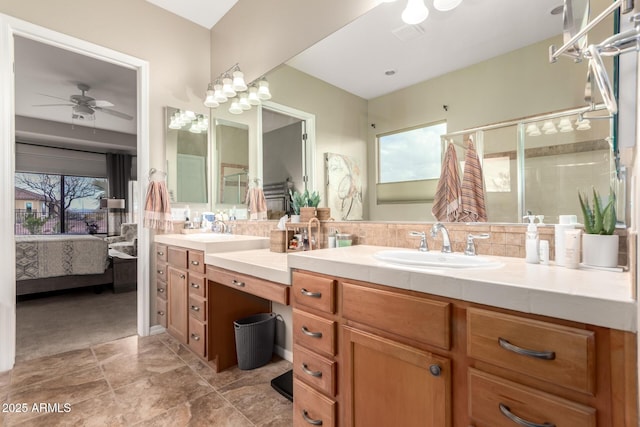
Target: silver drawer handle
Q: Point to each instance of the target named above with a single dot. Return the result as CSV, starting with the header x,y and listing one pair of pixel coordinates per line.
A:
x,y
516,419
306,293
238,283
182,276
308,371
160,253
160,271
195,337
195,285
311,421
161,290
195,262
311,334
161,313
545,355
195,308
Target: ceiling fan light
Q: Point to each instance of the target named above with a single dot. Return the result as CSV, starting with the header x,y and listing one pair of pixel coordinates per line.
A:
x,y
263,90
235,107
253,96
446,5
415,12
239,84
210,100
227,88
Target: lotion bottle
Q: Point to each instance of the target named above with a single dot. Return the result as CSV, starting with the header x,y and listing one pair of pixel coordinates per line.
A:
x,y
532,241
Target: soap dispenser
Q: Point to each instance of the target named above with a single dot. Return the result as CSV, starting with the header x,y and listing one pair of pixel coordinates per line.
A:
x,y
532,245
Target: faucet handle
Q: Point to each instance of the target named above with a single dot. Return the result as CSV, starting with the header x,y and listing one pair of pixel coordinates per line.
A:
x,y
470,249
423,240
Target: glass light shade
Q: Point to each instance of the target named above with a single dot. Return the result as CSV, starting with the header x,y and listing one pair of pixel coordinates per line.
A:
x,y
235,107
210,100
238,81
217,94
415,12
535,132
202,124
244,101
227,88
446,5
253,96
263,90
565,125
583,124
551,130
194,127
548,125
532,127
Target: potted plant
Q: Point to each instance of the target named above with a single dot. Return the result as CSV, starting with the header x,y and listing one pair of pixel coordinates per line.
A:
x,y
308,210
599,244
297,201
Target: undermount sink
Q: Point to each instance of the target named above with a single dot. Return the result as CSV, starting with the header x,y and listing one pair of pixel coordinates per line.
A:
x,y
415,258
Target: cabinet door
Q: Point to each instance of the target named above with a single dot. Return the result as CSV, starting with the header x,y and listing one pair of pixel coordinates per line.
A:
x,y
177,300
391,384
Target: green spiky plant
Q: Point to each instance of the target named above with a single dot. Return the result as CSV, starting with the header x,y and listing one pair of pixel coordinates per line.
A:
x,y
313,199
297,201
598,220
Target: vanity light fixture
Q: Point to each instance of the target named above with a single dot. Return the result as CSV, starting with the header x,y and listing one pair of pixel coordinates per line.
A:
x,y
416,11
188,120
446,5
230,85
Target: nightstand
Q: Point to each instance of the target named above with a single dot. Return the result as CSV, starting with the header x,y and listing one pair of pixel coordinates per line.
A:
x,y
125,272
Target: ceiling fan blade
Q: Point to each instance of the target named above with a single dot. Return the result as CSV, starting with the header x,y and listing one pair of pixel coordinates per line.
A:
x,y
114,113
54,105
100,103
52,96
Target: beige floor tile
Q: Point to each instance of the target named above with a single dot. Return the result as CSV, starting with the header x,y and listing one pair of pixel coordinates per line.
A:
x,y
36,370
260,403
126,346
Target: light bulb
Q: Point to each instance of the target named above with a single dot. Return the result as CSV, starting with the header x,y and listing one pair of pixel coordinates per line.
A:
x,y
227,88
415,12
263,90
446,5
210,100
238,81
235,107
253,96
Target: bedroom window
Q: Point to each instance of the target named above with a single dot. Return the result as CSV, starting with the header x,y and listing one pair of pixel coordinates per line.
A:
x,y
59,204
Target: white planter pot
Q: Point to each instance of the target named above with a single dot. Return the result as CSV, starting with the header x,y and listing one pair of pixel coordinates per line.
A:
x,y
600,250
295,218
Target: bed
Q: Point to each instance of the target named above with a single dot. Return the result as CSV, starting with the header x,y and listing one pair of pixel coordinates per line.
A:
x,y
53,262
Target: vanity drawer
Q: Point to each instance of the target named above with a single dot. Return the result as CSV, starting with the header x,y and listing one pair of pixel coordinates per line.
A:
x,y
161,252
197,308
161,312
161,272
559,354
177,257
314,291
314,332
197,336
416,318
196,261
271,291
197,285
315,370
161,290
494,402
311,407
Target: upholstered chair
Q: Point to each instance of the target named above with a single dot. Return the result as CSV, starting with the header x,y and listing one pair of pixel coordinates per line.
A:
x,y
127,241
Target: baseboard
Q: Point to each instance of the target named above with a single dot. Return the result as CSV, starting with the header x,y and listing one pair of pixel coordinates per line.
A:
x,y
156,329
284,353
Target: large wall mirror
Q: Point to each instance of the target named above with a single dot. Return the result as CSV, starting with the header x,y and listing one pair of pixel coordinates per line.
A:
x,y
232,149
497,71
187,154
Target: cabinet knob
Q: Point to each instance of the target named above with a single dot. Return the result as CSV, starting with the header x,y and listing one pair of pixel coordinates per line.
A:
x,y
182,276
311,334
311,421
160,271
504,409
544,355
435,370
161,290
160,253
306,370
195,308
161,313
306,293
195,263
195,337
195,285
238,283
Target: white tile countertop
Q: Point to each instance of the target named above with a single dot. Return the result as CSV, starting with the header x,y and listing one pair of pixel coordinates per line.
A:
x,y
260,263
213,242
590,296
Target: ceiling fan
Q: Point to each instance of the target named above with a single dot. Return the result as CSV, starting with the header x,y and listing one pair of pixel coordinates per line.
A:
x,y
84,106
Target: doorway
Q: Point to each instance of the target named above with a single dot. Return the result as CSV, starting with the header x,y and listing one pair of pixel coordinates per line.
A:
x,y
10,27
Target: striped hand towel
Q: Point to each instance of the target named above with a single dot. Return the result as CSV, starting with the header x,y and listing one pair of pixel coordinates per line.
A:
x,y
256,204
157,208
473,207
447,202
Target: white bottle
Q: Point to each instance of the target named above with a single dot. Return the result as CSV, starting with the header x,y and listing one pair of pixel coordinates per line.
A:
x,y
572,248
544,252
565,222
532,245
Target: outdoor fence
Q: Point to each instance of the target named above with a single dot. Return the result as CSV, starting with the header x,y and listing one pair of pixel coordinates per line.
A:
x,y
76,222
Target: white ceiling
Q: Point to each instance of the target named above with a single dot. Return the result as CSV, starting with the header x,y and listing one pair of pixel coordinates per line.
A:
x,y
203,12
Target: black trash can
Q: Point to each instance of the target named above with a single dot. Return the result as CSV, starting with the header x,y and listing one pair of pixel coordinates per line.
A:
x,y
255,337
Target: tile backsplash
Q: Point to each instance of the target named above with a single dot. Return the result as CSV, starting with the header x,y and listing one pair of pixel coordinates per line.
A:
x,y
504,239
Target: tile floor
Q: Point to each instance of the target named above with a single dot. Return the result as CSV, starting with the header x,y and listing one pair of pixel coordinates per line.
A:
x,y
141,381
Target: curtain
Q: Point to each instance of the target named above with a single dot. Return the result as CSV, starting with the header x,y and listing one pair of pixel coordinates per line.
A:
x,y
119,175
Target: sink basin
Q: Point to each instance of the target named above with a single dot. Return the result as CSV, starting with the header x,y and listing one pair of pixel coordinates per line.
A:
x,y
415,258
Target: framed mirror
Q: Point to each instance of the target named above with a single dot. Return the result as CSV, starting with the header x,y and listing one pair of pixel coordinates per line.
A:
x,y
187,155
232,161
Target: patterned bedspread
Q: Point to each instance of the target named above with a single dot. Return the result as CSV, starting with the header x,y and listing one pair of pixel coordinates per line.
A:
x,y
60,255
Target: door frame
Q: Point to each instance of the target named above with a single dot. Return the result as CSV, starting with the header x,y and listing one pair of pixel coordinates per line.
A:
x,y
10,26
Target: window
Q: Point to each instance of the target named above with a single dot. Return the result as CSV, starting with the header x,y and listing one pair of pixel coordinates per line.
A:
x,y
68,204
409,164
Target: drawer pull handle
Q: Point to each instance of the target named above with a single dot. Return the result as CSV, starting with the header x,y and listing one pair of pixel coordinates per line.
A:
x,y
160,253
195,337
195,263
545,355
160,271
182,276
306,370
237,283
195,308
306,293
435,370
161,313
195,285
311,334
161,290
516,419
311,421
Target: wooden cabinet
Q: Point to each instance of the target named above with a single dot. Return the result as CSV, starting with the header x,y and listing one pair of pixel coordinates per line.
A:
x,y
161,284
177,298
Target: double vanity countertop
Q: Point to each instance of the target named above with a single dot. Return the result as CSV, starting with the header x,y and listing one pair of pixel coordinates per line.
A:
x,y
595,297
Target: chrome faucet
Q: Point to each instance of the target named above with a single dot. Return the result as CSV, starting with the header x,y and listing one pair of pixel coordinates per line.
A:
x,y
219,226
423,240
470,249
446,243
